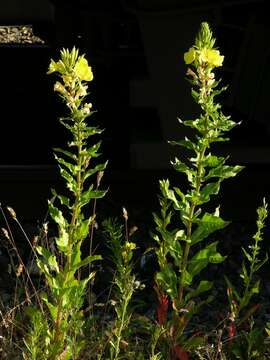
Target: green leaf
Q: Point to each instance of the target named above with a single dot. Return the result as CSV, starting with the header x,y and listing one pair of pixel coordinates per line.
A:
x,y
91,194
168,193
57,215
94,170
224,171
213,161
174,246
182,167
167,279
51,307
216,258
75,256
71,182
261,263
203,286
208,190
188,144
247,255
67,153
179,193
158,220
93,150
230,285
45,270
193,343
208,224
62,240
73,169
82,230
49,257
186,278
88,260
203,257
64,200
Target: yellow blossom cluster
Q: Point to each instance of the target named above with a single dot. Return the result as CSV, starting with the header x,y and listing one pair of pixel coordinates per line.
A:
x,y
211,57
81,69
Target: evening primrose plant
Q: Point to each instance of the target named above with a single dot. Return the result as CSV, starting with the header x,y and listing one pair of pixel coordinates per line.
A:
x,y
183,227
62,319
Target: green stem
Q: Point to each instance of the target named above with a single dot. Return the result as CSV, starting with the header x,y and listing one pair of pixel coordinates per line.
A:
x,y
189,233
198,184
76,206
74,219
120,329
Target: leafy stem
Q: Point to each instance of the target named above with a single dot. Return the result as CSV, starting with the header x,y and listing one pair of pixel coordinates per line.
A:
x,y
180,267
62,269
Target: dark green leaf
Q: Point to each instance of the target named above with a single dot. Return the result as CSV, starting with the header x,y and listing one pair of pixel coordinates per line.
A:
x,y
230,285
167,279
203,257
193,343
93,150
94,170
203,286
91,194
261,263
186,278
186,143
208,224
67,153
52,308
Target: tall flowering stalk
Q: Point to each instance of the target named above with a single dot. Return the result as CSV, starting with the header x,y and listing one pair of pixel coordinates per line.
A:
x,y
65,296
245,338
184,250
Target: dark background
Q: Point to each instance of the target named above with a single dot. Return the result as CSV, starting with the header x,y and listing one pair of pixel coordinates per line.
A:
x,y
136,51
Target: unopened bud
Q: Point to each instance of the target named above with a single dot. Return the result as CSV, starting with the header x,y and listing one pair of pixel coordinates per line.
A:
x,y
19,270
12,212
99,177
125,214
5,232
59,87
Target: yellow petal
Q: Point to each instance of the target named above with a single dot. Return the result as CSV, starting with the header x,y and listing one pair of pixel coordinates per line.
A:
x,y
211,56
83,70
52,67
190,56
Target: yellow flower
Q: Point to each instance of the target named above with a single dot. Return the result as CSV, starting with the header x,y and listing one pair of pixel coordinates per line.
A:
x,y
83,70
130,245
190,56
56,67
211,56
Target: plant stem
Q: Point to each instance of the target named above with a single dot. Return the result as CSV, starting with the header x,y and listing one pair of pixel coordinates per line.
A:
x,y
190,221
120,329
